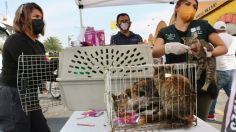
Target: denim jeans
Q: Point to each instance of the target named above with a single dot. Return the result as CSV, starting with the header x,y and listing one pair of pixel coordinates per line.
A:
x,y
224,80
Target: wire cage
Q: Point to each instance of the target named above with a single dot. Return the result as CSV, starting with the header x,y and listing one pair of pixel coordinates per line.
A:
x,y
166,98
36,82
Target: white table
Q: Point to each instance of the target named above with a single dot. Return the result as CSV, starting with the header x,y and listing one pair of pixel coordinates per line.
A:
x,y
101,125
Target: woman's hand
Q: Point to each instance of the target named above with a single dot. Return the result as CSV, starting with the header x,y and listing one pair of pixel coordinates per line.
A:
x,y
208,53
176,48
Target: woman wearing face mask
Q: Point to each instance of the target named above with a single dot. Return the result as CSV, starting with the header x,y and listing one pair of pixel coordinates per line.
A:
x,y
28,25
170,44
125,36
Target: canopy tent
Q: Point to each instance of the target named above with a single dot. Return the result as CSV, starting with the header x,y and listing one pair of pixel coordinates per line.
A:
x,y
104,3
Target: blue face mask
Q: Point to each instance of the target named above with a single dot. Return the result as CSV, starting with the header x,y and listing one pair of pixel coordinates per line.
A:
x,y
37,26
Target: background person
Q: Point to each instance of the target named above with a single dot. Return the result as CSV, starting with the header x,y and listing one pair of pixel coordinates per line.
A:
x,y
28,25
225,64
170,43
125,36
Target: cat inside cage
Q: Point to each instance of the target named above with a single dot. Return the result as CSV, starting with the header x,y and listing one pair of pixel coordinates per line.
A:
x,y
166,99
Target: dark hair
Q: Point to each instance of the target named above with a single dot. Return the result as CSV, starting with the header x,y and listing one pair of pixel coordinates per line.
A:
x,y
22,18
178,3
121,14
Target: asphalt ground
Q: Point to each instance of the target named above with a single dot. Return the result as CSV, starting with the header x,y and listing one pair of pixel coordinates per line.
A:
x,y
220,106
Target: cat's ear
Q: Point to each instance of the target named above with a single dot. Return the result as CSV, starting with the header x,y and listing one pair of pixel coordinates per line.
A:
x,y
114,97
128,92
184,39
159,69
195,35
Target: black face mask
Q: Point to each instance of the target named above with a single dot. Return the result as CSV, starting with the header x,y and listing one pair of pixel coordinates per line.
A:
x,y
37,26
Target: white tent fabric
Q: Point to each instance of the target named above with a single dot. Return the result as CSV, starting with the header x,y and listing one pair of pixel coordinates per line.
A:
x,y
104,3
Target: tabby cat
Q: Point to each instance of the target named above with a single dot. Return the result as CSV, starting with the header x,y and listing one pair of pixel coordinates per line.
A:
x,y
138,97
178,98
204,63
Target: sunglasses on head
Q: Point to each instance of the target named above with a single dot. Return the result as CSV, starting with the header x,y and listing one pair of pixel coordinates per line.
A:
x,y
22,7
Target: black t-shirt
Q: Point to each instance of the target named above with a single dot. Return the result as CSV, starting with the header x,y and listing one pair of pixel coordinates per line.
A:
x,y
16,45
171,34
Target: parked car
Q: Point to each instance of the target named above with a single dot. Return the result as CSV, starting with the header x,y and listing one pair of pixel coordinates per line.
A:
x,y
4,33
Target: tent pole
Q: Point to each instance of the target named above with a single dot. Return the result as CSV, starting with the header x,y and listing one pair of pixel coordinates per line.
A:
x,y
81,18
80,7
